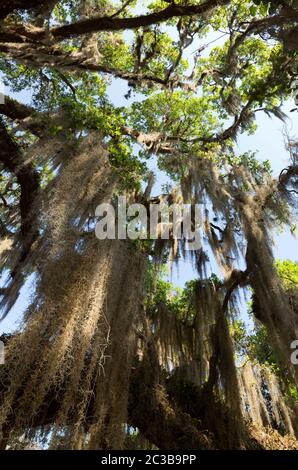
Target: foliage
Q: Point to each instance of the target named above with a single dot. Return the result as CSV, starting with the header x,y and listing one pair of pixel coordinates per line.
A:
x,y
108,88
288,271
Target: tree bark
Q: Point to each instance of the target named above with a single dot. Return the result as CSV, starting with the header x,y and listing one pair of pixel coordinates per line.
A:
x,y
8,6
108,23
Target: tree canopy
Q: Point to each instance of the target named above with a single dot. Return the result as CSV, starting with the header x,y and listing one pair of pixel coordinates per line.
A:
x,y
110,354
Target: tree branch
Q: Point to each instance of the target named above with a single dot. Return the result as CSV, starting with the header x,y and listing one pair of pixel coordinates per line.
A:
x,y
109,23
52,57
9,6
14,109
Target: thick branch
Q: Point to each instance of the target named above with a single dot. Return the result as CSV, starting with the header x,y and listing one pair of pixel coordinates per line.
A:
x,y
14,109
53,57
8,6
115,24
161,141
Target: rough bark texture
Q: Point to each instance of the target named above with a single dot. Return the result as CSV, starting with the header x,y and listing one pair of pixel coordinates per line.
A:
x,y
10,6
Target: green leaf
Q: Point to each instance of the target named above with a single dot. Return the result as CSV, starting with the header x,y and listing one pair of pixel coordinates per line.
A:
x,y
264,8
253,10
